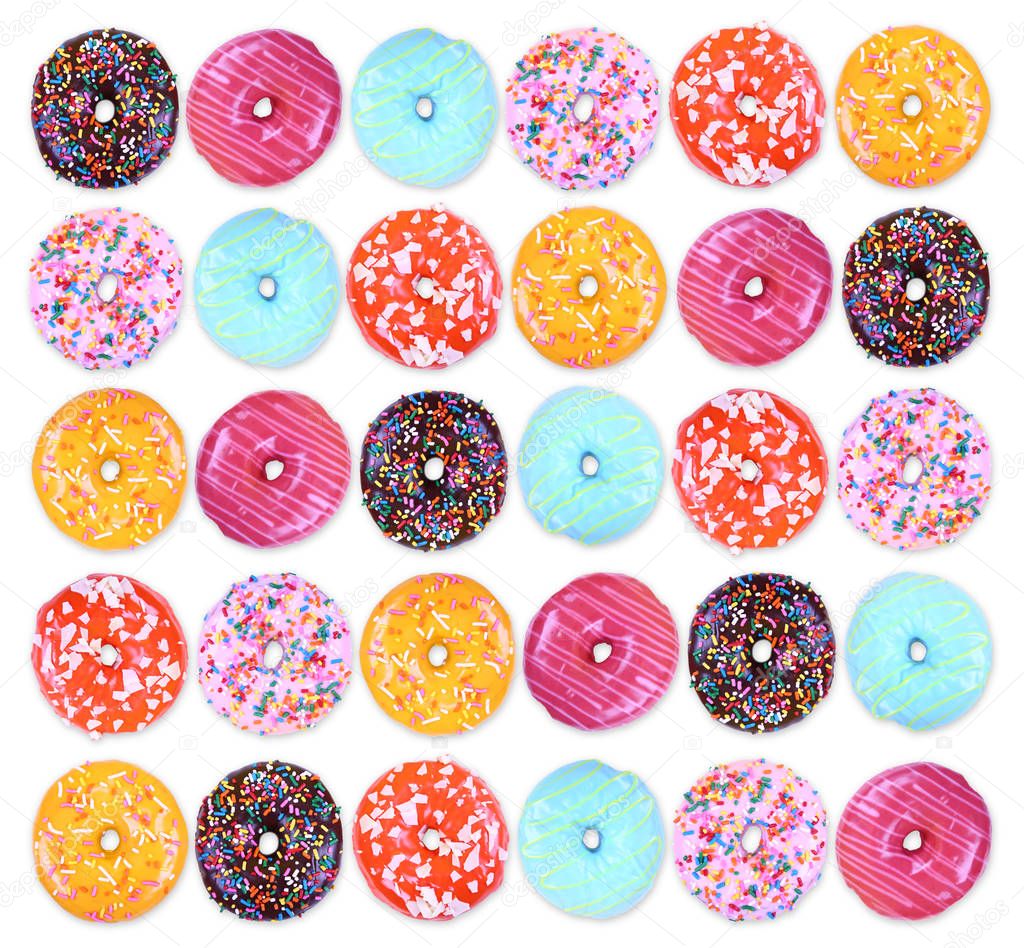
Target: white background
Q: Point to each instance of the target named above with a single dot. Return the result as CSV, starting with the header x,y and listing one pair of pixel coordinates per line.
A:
x,y
837,748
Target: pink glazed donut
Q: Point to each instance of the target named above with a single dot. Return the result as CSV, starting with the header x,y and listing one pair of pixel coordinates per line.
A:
x,y
955,832
754,286
895,505
274,654
273,469
710,829
601,651
304,92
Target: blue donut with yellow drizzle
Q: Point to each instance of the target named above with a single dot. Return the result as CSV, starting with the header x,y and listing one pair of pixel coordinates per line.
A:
x,y
267,287
591,839
590,465
425,108
918,651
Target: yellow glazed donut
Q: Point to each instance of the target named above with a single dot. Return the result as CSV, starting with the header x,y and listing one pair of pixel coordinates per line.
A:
x,y
437,653
587,287
109,468
109,841
912,106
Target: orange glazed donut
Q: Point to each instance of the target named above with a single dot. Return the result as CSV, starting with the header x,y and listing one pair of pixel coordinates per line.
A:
x,y
109,468
587,287
437,653
109,841
912,106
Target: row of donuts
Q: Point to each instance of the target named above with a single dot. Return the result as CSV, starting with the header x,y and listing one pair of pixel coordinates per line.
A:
x,y
438,653
587,287
749,469
581,107
750,839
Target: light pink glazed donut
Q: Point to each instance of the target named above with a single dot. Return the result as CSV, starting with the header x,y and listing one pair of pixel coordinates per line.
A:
x,y
547,125
754,286
274,654
955,831
711,827
273,469
304,92
915,469
601,651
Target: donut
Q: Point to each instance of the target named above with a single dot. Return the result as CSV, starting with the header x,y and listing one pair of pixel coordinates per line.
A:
x,y
590,465
747,105
911,106
915,469
424,288
430,839
754,287
918,651
109,654
110,72
591,839
273,469
267,288
92,248
274,654
581,108
433,470
749,469
424,108
438,653
268,841
750,839
736,683
954,831
601,651
226,109
588,288
937,253
109,468
109,841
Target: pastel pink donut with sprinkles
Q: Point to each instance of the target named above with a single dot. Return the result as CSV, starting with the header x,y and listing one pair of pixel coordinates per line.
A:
x,y
734,806
275,654
915,469
546,108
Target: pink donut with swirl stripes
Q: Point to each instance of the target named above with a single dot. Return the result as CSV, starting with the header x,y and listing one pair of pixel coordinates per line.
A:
x,y
273,469
601,651
754,286
304,92
955,834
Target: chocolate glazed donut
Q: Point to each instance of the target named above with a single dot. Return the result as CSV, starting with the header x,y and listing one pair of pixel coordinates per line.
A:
x,y
916,287
433,469
292,805
761,651
105,66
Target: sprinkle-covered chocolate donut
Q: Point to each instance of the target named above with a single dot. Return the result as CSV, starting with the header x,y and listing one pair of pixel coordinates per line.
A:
x,y
274,806
753,686
105,66
433,469
916,287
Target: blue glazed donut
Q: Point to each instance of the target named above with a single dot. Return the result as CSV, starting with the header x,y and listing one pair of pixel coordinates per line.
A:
x,y
425,108
591,839
908,614
273,322
590,465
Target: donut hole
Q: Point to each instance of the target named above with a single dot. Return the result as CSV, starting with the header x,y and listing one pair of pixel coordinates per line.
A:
x,y
273,469
747,105
269,843
425,108
750,840
917,651
583,107
602,651
109,655
437,655
911,105
753,288
591,838
267,287
431,839
913,468
110,470
424,288
109,840
103,111
263,108
749,470
916,289
106,287
588,287
273,654
912,842
589,465
433,469
761,651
